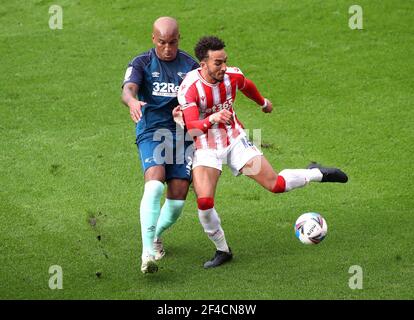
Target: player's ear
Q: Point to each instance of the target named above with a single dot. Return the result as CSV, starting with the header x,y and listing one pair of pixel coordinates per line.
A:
x,y
153,39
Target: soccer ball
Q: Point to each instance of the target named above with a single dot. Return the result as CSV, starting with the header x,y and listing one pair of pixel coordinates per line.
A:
x,y
311,228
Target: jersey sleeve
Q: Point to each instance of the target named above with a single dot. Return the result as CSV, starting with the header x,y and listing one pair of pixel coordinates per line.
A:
x,y
238,75
194,124
187,95
188,100
250,91
134,72
246,86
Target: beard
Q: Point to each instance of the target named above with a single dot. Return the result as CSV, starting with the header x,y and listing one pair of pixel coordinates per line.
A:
x,y
213,76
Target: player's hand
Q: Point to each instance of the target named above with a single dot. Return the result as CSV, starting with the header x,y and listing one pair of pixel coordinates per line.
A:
x,y
135,107
223,116
178,116
269,106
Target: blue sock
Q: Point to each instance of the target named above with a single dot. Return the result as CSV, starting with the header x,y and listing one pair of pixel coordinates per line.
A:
x,y
170,212
149,213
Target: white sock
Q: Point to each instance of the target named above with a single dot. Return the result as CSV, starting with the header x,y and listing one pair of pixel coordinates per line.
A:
x,y
297,178
210,221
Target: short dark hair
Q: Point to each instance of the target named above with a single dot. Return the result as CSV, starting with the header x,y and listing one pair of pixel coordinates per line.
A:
x,y
205,44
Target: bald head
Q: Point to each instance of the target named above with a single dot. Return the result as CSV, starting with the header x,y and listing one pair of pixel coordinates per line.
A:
x,y
165,26
165,36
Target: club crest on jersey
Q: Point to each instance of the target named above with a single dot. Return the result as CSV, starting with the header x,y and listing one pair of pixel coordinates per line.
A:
x,y
181,75
155,74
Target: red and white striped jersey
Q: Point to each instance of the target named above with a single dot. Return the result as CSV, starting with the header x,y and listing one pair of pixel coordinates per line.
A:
x,y
211,98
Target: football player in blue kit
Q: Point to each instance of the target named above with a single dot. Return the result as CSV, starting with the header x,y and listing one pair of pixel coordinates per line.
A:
x,y
150,91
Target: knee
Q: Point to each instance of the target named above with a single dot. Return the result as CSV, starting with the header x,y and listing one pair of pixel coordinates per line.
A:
x,y
154,188
279,185
178,189
205,203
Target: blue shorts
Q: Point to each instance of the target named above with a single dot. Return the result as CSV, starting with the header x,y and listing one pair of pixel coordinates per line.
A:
x,y
175,154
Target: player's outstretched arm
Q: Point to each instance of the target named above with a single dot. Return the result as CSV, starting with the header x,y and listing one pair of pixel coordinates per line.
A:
x,y
129,93
268,106
250,91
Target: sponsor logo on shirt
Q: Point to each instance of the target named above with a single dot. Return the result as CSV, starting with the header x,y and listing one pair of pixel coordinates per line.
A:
x,y
155,74
228,104
164,89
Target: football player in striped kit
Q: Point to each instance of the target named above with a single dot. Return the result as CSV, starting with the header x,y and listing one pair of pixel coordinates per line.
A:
x,y
206,96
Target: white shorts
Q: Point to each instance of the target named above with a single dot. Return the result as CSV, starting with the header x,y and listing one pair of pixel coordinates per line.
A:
x,y
235,156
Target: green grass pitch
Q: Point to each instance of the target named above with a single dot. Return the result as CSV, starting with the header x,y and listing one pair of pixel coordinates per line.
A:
x,y
70,178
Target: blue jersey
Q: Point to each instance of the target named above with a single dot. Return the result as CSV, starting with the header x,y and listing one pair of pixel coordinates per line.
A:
x,y
158,83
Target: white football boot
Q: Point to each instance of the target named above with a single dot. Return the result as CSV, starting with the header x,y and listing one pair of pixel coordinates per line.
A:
x,y
159,249
148,264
